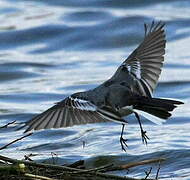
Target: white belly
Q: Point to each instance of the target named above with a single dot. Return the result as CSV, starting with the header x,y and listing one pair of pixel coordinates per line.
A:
x,y
125,111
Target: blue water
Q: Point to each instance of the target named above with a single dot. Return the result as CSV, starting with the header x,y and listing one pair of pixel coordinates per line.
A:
x,y
50,49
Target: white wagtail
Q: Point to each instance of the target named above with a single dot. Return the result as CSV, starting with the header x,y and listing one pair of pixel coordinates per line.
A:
x,y
128,91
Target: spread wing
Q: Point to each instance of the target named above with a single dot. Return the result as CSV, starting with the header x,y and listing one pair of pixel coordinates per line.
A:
x,y
144,65
146,61
71,111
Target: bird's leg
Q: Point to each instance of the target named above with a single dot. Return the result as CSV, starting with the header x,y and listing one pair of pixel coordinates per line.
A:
x,y
143,133
122,140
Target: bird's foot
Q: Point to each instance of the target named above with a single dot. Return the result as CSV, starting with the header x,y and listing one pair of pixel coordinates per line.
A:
x,y
123,143
145,138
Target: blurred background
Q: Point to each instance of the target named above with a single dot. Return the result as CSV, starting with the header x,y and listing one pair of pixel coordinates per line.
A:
x,y
50,49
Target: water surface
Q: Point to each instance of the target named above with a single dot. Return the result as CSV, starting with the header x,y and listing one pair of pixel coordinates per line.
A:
x,y
50,49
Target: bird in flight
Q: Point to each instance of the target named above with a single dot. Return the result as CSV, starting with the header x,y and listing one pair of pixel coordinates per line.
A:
x,y
129,90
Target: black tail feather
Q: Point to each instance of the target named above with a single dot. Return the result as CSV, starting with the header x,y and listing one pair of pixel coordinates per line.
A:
x,y
161,113
156,106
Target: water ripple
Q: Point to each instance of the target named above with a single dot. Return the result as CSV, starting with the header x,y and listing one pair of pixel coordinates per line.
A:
x,y
50,49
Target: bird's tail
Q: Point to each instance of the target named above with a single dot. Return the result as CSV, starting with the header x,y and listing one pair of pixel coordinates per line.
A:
x,y
157,107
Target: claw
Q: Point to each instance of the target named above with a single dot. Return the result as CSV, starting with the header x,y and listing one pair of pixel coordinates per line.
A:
x,y
123,143
145,138
122,140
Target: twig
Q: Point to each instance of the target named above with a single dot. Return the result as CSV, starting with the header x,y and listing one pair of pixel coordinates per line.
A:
x,y
148,173
93,170
41,165
37,177
133,164
54,157
5,146
90,172
6,125
27,157
157,173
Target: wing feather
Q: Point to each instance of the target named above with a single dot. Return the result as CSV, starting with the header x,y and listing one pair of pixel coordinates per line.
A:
x,y
50,120
146,61
69,112
59,119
